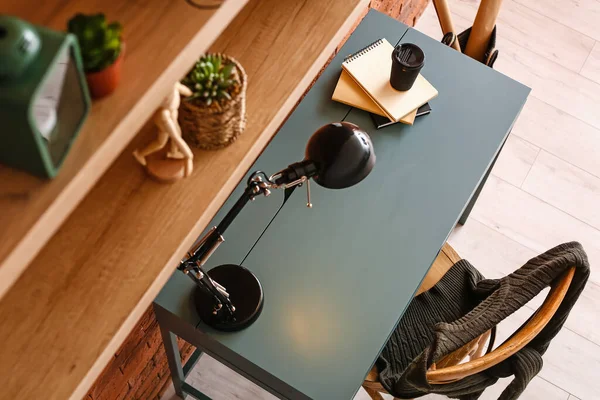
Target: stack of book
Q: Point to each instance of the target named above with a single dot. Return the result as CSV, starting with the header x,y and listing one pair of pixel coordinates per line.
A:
x,y
365,84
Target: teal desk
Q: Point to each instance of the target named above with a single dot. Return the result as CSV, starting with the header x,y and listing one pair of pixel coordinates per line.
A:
x,y
338,277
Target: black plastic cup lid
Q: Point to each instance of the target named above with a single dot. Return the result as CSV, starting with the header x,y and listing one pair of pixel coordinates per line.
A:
x,y
409,55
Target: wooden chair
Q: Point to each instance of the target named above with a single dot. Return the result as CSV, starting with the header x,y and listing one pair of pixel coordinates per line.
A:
x,y
448,369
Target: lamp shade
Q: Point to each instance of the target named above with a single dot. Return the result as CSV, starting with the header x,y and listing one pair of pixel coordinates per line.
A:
x,y
343,154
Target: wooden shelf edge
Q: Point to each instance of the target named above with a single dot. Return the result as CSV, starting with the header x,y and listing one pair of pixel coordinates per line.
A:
x,y
217,202
82,294
52,218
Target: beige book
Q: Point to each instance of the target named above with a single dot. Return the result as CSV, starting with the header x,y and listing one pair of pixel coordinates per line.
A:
x,y
370,68
348,92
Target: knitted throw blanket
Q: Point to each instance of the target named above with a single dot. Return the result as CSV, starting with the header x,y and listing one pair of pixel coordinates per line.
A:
x,y
462,306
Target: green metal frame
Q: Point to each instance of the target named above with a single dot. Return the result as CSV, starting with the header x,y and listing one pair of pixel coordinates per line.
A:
x,y
21,144
178,371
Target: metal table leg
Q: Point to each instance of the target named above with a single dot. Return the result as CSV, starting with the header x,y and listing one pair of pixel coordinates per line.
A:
x,y
173,327
467,211
174,359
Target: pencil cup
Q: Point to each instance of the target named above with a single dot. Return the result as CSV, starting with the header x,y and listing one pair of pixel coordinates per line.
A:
x,y
407,61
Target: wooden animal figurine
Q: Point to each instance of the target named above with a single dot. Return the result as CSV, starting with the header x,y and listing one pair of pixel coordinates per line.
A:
x,y
177,162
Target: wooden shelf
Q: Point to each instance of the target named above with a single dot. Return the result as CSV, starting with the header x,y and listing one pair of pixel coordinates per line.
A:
x,y
66,315
163,38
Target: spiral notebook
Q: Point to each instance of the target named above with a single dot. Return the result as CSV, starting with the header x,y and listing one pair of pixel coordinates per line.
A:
x,y
370,68
348,92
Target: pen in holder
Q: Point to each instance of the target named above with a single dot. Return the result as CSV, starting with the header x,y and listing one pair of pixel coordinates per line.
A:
x,y
407,61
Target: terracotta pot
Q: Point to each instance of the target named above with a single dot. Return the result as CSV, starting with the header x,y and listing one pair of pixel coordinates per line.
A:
x,y
103,83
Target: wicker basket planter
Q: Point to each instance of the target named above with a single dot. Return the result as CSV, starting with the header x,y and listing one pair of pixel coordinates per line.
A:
x,y
212,128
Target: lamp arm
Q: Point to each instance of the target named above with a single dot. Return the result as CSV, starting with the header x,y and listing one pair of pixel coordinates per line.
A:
x,y
192,266
201,252
258,184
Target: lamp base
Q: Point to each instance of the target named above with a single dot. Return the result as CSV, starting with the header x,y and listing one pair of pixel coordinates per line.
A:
x,y
245,292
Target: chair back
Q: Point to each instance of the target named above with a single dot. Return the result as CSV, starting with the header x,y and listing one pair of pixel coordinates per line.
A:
x,y
451,372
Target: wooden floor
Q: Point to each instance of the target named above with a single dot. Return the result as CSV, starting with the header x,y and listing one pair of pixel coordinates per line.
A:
x,y
544,190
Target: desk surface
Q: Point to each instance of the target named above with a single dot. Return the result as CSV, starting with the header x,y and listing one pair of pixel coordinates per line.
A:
x,y
338,277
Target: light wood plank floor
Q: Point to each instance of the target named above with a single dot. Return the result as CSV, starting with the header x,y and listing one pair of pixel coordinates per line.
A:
x,y
544,189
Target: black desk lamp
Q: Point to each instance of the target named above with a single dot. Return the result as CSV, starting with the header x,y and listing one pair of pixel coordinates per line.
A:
x,y
337,156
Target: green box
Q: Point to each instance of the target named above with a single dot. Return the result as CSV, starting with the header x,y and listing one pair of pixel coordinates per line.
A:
x,y
28,88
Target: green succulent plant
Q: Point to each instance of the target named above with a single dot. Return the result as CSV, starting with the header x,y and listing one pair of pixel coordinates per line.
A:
x,y
213,80
100,42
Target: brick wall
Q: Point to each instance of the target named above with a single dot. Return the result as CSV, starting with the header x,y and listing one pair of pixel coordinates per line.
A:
x,y
407,11
139,369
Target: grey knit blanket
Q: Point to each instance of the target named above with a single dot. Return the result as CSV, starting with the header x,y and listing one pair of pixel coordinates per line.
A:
x,y
462,306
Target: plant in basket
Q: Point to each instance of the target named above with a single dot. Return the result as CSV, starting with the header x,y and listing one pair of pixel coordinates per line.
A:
x,y
102,51
214,115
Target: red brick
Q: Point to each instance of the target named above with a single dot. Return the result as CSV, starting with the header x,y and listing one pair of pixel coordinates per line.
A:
x,y
143,352
109,383
137,333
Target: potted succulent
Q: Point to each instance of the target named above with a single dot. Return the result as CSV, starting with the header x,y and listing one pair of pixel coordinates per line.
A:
x,y
215,114
102,51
